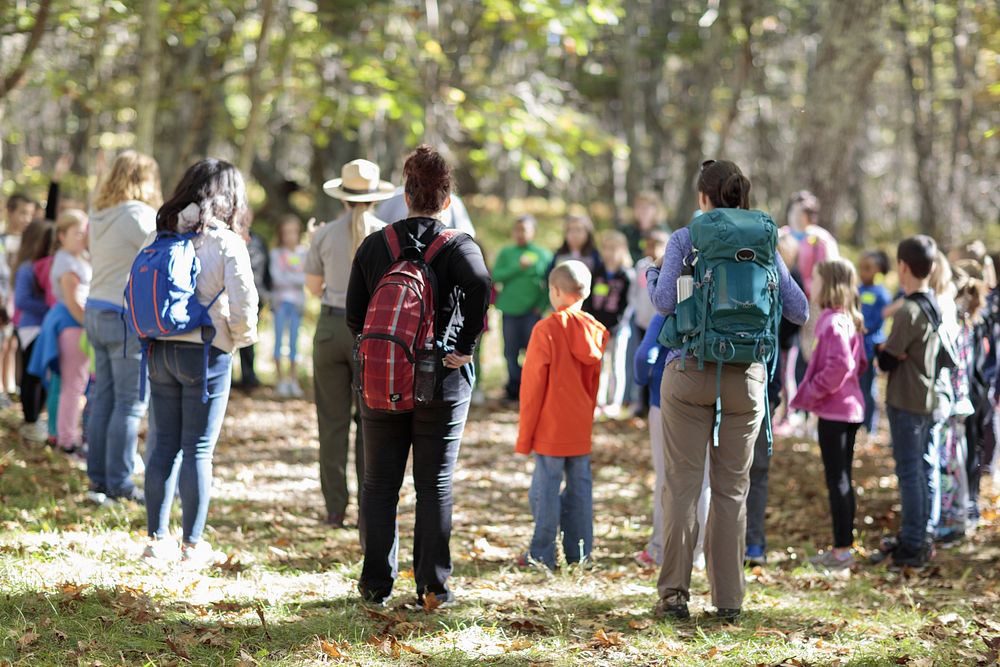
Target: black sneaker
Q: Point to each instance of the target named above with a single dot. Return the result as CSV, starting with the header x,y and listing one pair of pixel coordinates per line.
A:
x,y
372,598
886,547
133,495
674,606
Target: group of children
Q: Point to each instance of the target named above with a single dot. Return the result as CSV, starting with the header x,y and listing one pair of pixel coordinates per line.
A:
x,y
933,341
47,278
45,275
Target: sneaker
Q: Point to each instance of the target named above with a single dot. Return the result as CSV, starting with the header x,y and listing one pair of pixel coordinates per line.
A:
x,y
644,559
829,560
755,556
674,606
35,432
282,390
161,550
134,495
97,494
294,390
51,442
201,554
886,546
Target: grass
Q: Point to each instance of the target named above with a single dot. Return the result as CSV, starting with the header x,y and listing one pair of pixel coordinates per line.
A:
x,y
73,590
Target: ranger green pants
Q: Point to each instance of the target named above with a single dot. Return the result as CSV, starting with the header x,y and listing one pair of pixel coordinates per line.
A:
x,y
333,370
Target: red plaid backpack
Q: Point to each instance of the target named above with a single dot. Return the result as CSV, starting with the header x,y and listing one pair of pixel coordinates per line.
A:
x,y
396,357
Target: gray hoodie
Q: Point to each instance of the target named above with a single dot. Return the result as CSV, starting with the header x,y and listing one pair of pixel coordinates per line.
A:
x,y
116,236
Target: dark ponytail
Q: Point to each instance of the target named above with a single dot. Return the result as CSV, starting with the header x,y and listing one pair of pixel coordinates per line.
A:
x,y
724,184
427,180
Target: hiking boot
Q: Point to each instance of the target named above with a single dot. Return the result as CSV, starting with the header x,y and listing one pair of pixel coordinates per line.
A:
x,y
755,556
726,614
673,606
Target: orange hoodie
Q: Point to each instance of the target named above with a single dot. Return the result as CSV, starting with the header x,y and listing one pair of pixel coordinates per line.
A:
x,y
562,369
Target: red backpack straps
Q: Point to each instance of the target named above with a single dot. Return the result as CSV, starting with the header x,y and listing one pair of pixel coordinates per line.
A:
x,y
392,242
439,243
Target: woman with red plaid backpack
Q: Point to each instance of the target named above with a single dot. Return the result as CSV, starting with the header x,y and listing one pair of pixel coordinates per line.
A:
x,y
416,300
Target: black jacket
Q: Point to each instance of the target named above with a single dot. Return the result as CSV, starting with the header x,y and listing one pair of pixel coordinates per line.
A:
x,y
463,289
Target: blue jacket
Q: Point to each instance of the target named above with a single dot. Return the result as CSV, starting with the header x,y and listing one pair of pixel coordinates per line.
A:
x,y
29,297
650,360
874,299
45,355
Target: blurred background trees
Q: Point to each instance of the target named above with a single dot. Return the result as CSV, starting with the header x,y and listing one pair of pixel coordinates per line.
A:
x,y
887,109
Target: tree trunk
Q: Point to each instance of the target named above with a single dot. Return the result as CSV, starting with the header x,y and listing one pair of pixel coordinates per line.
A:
x,y
149,77
960,107
838,92
919,87
256,119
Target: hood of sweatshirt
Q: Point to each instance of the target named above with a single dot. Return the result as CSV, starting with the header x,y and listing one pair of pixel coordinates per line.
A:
x,y
103,221
586,337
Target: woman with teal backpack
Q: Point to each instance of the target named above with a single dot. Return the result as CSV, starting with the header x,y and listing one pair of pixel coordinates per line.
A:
x,y
733,287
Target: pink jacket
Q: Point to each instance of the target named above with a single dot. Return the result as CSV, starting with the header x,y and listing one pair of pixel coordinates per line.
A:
x,y
832,385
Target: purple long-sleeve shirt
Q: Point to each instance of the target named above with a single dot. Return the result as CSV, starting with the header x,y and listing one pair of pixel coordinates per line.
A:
x,y
662,284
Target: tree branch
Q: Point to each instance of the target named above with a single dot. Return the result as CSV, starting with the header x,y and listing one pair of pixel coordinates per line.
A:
x,y
15,77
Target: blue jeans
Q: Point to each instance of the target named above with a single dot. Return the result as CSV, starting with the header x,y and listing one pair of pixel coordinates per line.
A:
x,y
869,389
571,510
181,423
115,408
288,316
516,334
916,461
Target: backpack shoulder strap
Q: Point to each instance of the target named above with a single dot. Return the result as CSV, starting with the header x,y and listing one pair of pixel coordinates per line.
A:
x,y
439,242
392,243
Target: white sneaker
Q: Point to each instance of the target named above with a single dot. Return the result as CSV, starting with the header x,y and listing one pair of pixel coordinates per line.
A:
x,y
161,550
294,389
200,555
36,432
282,390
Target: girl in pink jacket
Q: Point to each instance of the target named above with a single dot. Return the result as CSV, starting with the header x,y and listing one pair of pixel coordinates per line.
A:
x,y
832,390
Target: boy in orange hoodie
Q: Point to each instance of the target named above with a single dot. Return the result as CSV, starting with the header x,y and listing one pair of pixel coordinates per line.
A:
x,y
559,381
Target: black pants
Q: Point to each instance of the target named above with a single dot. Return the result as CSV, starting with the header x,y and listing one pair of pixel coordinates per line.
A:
x,y
248,376
435,433
32,390
836,442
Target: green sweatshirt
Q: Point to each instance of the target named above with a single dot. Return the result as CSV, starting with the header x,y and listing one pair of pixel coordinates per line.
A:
x,y
522,290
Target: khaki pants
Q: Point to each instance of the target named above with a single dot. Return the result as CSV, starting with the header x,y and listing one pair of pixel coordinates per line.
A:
x,y
688,408
333,369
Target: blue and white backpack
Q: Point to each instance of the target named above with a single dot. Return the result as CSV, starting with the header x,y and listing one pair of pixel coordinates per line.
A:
x,y
160,298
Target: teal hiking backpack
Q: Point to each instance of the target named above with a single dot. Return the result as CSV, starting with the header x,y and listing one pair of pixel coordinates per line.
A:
x,y
733,313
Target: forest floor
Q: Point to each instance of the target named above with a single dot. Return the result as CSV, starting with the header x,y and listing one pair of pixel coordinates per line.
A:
x,y
73,590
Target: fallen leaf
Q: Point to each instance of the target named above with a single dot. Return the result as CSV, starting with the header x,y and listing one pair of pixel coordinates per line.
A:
x,y
949,618
528,627
604,639
335,650
640,624
431,602
177,647
263,621
517,645
27,639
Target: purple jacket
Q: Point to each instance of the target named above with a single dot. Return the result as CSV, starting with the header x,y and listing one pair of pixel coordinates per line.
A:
x,y
832,385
